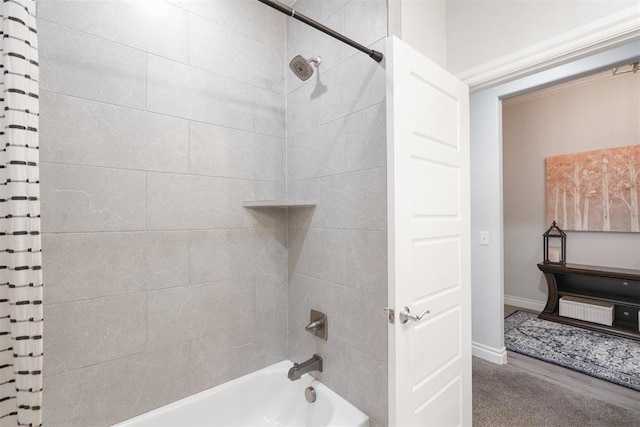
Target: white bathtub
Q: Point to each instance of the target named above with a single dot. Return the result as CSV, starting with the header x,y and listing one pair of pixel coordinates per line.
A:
x,y
263,398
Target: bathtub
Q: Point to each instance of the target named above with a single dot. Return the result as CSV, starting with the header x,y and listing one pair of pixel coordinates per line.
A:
x,y
263,398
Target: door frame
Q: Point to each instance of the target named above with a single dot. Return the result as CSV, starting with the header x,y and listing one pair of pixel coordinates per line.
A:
x,y
487,262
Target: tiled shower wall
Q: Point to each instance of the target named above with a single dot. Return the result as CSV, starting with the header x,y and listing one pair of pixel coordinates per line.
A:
x,y
336,154
158,118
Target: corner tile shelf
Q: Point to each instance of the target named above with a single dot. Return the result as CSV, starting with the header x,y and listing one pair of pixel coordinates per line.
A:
x,y
283,204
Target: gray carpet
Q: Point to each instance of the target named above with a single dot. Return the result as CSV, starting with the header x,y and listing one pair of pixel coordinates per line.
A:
x,y
504,395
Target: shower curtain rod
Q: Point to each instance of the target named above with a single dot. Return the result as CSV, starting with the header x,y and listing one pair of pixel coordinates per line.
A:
x,y
375,55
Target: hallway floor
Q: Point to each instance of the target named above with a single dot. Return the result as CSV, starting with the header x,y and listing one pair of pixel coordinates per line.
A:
x,y
593,387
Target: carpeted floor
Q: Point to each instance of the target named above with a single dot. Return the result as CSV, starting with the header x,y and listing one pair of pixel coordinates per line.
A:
x,y
504,395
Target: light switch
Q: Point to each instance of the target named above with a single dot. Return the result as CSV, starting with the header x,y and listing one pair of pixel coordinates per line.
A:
x,y
484,238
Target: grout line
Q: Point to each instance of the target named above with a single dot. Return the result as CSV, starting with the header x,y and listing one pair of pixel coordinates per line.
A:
x,y
155,113
146,202
164,288
161,172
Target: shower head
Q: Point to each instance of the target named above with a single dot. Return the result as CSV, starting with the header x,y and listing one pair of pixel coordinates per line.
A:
x,y
302,67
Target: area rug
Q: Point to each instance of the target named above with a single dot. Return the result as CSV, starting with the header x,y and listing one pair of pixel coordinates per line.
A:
x,y
602,356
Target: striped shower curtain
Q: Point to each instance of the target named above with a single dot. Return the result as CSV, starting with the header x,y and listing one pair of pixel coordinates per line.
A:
x,y
20,250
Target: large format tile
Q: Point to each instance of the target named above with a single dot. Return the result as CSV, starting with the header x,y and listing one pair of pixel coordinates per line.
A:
x,y
225,152
237,15
271,341
271,294
307,293
355,84
90,133
235,55
366,21
295,32
300,343
355,142
366,259
248,17
84,333
224,254
366,138
78,64
183,91
150,25
304,106
221,357
92,265
318,252
317,152
80,198
200,202
110,392
227,355
310,43
319,10
366,379
181,314
270,113
365,322
355,200
269,25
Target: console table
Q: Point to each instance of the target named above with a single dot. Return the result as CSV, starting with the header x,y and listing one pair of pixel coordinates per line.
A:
x,y
618,286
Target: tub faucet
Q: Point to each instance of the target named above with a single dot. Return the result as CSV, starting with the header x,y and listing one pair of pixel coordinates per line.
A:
x,y
299,369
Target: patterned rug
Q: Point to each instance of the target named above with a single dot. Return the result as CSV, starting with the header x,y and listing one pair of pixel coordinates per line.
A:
x,y
607,357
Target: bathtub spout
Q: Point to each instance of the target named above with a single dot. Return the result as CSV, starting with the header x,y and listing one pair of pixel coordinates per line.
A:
x,y
299,369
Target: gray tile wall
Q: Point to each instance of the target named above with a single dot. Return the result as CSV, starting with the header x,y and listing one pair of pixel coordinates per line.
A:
x,y
336,154
158,118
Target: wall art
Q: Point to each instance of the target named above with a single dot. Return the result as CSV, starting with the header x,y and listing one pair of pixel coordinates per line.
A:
x,y
595,190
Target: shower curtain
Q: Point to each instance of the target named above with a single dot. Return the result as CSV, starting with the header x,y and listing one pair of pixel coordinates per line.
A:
x,y
20,250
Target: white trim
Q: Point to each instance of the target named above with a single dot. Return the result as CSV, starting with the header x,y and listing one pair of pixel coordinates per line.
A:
x,y
529,304
608,32
493,355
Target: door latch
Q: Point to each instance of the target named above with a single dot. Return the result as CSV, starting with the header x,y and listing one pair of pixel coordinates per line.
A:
x,y
392,314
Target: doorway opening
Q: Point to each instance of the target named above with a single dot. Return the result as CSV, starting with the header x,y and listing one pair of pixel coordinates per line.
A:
x,y
487,179
594,112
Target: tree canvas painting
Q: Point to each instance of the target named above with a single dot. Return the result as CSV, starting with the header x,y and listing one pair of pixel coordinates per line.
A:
x,y
595,190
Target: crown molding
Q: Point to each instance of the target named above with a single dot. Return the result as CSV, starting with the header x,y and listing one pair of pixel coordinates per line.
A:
x,y
611,31
580,82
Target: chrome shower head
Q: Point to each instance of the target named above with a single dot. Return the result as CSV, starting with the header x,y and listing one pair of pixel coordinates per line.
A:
x,y
302,68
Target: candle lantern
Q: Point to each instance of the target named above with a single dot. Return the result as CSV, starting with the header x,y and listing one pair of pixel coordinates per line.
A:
x,y
555,245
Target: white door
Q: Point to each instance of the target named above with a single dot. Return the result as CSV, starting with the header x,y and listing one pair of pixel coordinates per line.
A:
x,y
429,234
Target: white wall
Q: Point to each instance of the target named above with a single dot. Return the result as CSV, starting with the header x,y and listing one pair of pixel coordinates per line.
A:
x,y
486,193
421,24
478,31
595,112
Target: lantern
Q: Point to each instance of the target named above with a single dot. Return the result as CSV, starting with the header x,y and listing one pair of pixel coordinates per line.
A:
x,y
555,245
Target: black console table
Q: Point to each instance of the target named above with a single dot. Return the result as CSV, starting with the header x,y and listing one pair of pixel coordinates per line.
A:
x,y
618,286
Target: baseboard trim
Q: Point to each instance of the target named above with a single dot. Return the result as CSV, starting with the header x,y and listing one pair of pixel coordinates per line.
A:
x,y
608,32
529,304
490,354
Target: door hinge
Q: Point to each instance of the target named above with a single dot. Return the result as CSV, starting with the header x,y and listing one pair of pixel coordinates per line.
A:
x,y
392,314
